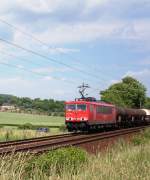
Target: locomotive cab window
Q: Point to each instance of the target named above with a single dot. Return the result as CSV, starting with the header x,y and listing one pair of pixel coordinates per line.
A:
x,y
104,110
91,108
71,107
81,107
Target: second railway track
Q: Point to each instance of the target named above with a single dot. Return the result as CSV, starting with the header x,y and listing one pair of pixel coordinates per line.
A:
x,y
42,144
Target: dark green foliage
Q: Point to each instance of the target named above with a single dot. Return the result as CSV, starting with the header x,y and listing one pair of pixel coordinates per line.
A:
x,y
1,126
61,114
137,140
55,114
147,103
65,159
143,138
128,93
62,128
8,135
26,126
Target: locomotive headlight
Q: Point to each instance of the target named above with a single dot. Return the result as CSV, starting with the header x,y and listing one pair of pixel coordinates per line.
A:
x,y
84,119
68,119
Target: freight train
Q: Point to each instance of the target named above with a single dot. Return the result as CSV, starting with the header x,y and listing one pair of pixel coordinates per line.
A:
x,y
85,114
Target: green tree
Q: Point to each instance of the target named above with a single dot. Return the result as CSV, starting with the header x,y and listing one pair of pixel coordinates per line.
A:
x,y
147,103
128,93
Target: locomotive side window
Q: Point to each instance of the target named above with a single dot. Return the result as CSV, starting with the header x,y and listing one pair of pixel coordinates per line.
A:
x,y
104,109
91,108
98,109
71,107
81,107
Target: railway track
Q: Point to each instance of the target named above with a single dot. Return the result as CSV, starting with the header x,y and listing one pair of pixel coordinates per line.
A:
x,y
42,144
26,141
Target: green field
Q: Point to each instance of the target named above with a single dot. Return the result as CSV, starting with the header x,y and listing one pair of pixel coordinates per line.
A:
x,y
18,119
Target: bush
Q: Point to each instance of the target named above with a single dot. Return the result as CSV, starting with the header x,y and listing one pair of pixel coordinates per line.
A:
x,y
49,113
144,137
55,114
62,128
137,140
61,114
1,126
146,134
61,160
8,135
26,126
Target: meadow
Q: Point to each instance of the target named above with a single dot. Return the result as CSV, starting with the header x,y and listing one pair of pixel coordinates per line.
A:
x,y
12,125
20,118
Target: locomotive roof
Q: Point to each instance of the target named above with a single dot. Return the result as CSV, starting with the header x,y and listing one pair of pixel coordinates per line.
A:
x,y
90,102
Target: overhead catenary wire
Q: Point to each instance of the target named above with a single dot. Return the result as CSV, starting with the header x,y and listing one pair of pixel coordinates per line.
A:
x,y
46,58
70,82
46,45
22,59
33,72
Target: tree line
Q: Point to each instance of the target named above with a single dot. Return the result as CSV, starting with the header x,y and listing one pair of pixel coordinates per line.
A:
x,y
24,103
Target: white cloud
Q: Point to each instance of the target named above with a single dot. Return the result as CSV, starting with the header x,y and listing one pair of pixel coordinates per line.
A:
x,y
50,69
48,78
79,32
43,70
53,32
35,88
63,50
145,73
20,66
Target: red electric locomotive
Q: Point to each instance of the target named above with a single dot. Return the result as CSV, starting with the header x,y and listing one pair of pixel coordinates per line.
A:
x,y
86,113
83,114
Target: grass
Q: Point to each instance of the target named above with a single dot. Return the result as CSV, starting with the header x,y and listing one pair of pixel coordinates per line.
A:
x,y
15,134
16,118
123,162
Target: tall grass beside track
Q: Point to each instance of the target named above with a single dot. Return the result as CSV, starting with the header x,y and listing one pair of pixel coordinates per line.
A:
x,y
123,162
14,134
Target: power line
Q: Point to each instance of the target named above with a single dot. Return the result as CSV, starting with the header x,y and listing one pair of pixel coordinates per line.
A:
x,y
44,57
45,44
21,59
33,72
36,73
38,54
18,58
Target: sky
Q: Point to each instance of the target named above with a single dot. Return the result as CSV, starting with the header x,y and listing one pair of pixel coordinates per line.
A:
x,y
48,48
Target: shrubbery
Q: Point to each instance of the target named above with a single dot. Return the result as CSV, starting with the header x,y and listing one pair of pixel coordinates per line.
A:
x,y
26,126
61,160
144,137
1,126
62,128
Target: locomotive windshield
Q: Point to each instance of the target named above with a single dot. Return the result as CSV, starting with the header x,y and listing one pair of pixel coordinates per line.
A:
x,y
81,107
71,107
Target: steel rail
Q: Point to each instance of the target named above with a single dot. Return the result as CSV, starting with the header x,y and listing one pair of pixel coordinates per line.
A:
x,y
30,140
55,143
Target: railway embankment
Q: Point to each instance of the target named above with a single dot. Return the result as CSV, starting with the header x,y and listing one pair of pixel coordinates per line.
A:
x,y
122,161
